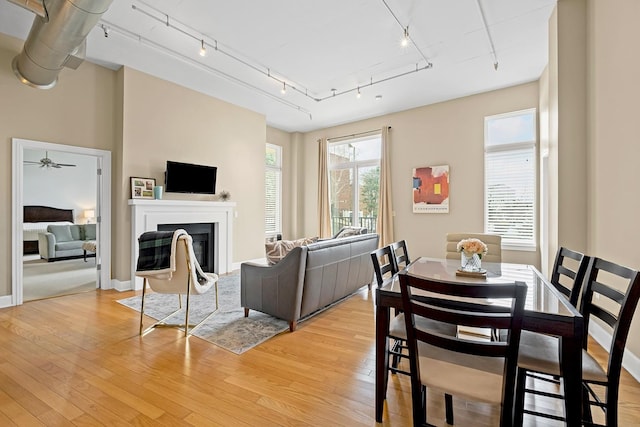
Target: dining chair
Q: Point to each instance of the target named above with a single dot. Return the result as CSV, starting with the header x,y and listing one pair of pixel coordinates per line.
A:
x,y
610,293
493,242
568,273
168,265
567,276
400,254
477,370
385,267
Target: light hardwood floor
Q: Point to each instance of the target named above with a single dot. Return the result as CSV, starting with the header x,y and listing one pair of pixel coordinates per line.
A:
x,y
78,360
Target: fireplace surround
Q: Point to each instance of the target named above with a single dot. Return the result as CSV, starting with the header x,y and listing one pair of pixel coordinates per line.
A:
x,y
147,214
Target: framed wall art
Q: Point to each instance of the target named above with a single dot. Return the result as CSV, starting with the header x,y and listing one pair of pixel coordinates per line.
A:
x,y
142,188
431,189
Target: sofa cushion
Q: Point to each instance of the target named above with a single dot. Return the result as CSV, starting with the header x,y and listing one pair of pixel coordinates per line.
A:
x,y
350,231
280,248
76,231
69,246
62,233
89,232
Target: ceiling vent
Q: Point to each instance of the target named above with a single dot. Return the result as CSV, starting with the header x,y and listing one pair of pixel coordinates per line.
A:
x,y
57,38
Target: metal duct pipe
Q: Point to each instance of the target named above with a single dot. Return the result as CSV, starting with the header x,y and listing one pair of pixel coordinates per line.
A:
x,y
57,42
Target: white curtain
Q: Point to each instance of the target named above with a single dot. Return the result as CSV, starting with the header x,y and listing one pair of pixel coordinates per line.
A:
x,y
324,209
384,225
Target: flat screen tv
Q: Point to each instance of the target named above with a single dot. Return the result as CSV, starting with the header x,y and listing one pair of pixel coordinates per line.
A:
x,y
189,178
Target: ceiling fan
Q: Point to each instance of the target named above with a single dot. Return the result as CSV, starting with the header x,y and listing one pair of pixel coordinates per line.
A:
x,y
46,162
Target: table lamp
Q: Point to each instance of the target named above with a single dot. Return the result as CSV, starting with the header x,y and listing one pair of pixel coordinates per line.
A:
x,y
89,214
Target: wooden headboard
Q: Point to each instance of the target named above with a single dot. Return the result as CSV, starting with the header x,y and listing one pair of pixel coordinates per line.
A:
x,y
46,214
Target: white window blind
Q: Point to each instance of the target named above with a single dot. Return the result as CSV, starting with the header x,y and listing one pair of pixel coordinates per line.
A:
x,y
510,178
273,190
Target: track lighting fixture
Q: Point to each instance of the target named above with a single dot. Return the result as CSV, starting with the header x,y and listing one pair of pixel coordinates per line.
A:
x,y
488,33
203,66
405,37
156,14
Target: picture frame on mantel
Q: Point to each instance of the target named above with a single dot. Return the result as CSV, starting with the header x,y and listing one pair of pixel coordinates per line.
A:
x,y
142,188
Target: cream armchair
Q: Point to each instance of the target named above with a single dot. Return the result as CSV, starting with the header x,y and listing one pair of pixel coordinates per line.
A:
x,y
182,275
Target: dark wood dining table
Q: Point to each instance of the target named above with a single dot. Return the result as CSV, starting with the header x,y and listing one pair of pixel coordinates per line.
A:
x,y
546,311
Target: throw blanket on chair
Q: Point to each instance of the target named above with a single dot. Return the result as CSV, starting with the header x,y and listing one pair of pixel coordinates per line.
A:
x,y
155,249
156,255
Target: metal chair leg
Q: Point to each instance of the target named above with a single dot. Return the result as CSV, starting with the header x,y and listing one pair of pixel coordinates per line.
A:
x,y
144,288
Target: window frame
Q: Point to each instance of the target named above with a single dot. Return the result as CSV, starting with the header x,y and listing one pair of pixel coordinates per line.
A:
x,y
510,244
277,168
355,167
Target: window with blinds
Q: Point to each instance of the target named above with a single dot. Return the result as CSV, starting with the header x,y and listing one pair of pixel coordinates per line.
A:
x,y
510,178
273,190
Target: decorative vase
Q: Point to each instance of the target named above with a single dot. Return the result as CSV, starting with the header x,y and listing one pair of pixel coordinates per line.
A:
x,y
470,262
157,192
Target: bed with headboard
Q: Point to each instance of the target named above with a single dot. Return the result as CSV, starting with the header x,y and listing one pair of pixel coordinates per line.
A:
x,y
36,219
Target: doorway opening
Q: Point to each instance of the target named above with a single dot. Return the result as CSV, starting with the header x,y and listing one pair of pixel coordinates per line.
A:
x,y
99,220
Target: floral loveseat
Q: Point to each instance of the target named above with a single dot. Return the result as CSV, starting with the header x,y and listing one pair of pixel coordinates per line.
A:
x,y
65,241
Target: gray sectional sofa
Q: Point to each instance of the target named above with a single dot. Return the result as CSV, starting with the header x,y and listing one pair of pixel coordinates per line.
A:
x,y
65,241
308,278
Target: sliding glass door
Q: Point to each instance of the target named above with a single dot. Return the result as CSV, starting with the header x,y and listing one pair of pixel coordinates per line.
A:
x,y
354,182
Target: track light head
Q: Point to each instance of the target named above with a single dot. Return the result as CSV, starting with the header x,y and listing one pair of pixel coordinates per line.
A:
x,y
284,88
203,49
358,94
405,38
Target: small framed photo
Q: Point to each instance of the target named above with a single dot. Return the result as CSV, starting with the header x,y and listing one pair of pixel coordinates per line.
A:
x,y
142,188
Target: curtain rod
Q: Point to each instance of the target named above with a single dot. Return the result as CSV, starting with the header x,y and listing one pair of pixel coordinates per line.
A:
x,y
353,135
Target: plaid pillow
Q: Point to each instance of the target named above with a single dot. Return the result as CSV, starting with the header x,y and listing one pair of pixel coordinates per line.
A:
x,y
277,250
350,231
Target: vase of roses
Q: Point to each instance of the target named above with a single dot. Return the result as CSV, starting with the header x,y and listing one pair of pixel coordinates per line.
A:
x,y
471,252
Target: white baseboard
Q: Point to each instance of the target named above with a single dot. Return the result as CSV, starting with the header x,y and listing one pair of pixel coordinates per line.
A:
x,y
630,361
121,285
6,301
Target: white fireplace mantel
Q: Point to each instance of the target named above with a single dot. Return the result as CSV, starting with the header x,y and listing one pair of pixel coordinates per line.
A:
x,y
146,214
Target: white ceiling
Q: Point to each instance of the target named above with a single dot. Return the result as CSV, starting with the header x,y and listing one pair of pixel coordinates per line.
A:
x,y
316,46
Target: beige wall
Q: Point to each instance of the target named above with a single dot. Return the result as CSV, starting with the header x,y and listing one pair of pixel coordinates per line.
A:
x,y
572,138
163,121
613,127
449,133
78,111
564,96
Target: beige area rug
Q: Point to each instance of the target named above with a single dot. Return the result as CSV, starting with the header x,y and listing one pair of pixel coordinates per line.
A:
x,y
228,328
42,279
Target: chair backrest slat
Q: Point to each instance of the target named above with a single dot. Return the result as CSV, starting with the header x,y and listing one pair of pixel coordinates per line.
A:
x,y
575,273
384,265
400,254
